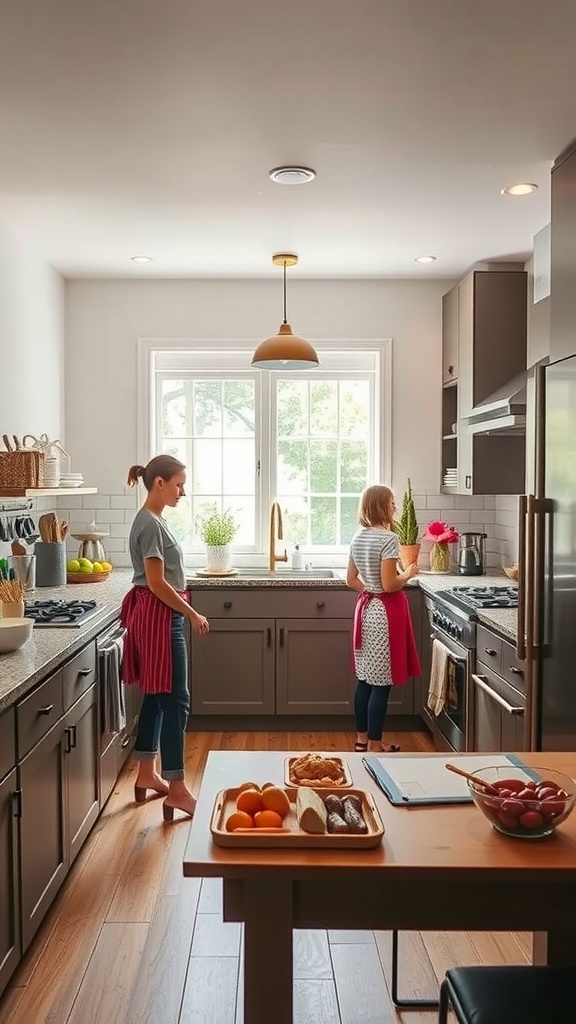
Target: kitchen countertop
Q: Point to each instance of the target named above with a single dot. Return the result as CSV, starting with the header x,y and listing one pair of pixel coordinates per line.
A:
x,y
48,649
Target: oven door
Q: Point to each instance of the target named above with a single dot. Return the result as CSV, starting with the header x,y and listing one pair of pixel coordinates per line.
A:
x,y
452,724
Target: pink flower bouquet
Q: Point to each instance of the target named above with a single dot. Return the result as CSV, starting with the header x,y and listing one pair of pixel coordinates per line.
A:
x,y
441,535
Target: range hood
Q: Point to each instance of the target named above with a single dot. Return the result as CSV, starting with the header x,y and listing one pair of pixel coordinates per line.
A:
x,y
504,411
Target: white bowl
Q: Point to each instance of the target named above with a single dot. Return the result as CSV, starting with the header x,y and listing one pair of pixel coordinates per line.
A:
x,y
14,633
71,483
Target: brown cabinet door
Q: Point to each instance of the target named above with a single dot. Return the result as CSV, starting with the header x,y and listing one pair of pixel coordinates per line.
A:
x,y
232,668
450,336
563,298
9,903
81,755
42,830
313,671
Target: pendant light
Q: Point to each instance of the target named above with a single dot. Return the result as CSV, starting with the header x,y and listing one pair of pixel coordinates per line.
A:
x,y
285,351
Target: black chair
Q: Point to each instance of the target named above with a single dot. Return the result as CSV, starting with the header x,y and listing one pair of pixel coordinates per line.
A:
x,y
406,1004
509,995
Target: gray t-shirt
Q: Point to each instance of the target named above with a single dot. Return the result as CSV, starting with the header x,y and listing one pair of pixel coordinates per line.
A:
x,y
369,547
151,538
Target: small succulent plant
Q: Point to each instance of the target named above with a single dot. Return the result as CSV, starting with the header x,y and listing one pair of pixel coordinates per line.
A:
x,y
406,528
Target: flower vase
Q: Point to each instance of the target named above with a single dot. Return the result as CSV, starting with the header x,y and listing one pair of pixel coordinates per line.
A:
x,y
440,558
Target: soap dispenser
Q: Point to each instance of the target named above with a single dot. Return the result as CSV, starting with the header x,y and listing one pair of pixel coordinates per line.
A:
x,y
297,560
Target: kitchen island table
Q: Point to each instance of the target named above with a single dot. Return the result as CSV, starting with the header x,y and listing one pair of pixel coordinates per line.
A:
x,y
440,868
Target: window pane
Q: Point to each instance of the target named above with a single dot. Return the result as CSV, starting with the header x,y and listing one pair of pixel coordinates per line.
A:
x,y
323,521
180,450
324,408
353,466
173,408
238,400
292,417
292,469
348,519
207,408
179,520
207,467
354,408
295,519
323,466
238,467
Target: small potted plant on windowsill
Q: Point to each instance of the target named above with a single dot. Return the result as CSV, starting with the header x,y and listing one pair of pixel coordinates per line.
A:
x,y
217,530
406,529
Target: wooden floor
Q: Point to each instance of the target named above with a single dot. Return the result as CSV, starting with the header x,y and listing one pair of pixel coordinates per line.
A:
x,y
130,941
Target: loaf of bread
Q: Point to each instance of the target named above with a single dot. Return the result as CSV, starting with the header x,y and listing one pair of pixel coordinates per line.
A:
x,y
310,811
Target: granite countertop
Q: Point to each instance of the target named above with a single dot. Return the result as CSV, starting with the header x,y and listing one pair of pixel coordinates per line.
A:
x,y
48,649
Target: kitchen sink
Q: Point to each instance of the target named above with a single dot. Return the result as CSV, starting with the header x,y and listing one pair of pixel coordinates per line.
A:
x,y
288,574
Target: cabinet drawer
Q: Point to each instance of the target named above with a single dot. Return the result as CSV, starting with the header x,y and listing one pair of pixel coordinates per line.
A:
x,y
488,648
7,742
36,714
511,668
79,674
501,688
274,603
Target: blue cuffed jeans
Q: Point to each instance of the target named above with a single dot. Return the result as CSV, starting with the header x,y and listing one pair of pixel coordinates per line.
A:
x,y
164,716
370,706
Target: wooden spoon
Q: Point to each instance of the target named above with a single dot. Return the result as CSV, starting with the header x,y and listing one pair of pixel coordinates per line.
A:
x,y
473,778
17,548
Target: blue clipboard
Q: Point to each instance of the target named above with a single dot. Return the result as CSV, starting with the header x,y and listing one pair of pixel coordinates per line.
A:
x,y
426,787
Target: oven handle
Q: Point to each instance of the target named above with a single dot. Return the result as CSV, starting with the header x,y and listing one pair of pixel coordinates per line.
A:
x,y
482,684
453,657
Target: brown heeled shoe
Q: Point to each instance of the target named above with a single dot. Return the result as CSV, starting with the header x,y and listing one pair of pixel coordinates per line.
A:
x,y
168,811
141,793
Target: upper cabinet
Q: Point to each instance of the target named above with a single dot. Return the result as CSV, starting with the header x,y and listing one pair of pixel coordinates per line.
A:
x,y
487,349
563,297
450,336
538,339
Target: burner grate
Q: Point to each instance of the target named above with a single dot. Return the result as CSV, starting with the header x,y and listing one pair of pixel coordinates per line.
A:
x,y
60,613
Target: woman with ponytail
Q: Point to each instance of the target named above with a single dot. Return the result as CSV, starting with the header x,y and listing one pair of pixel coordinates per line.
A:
x,y
153,614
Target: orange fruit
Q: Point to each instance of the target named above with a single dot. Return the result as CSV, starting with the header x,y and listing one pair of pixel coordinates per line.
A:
x,y
249,800
239,819
275,799
267,785
248,785
267,819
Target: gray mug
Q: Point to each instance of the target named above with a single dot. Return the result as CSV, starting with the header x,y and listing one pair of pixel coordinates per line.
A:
x,y
25,569
50,564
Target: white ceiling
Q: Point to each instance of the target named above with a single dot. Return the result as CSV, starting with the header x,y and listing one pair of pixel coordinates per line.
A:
x,y
134,127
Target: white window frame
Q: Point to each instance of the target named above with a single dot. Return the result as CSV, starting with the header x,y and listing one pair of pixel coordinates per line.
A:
x,y
381,413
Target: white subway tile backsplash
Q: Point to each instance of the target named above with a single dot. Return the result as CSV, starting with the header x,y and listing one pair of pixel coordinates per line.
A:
x,y
489,500
124,501
109,515
479,516
97,501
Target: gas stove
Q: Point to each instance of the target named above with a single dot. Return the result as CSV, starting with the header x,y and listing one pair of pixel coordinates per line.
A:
x,y
481,597
63,614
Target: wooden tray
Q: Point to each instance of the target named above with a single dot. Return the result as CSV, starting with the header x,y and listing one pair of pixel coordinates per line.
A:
x,y
290,781
86,577
293,837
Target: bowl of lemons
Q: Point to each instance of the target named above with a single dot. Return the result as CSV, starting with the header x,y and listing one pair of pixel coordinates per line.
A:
x,y
82,570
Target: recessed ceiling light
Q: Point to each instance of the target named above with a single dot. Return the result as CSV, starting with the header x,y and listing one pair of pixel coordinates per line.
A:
x,y
142,259
522,188
292,175
425,259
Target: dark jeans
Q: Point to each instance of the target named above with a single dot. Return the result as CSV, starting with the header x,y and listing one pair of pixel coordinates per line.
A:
x,y
370,704
164,716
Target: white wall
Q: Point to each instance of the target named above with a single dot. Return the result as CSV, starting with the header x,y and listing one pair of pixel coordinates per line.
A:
x,y
104,319
31,341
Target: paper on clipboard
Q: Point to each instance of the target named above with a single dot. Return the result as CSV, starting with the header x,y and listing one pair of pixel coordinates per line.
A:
x,y
425,780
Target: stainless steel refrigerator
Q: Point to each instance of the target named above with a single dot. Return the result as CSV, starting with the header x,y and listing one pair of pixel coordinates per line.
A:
x,y
547,561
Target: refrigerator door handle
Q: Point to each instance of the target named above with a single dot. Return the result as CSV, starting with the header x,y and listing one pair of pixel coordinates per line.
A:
x,y
521,635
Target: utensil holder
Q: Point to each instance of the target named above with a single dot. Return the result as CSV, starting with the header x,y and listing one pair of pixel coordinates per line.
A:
x,y
50,564
25,568
12,609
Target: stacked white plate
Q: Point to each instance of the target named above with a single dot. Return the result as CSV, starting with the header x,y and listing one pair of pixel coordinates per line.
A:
x,y
71,479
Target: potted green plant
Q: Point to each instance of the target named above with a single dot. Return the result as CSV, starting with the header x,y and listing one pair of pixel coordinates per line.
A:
x,y
406,529
217,529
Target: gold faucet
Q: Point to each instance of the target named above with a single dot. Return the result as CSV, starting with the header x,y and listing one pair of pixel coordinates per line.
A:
x,y
275,523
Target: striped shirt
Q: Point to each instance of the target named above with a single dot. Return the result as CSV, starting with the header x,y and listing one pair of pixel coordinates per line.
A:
x,y
370,546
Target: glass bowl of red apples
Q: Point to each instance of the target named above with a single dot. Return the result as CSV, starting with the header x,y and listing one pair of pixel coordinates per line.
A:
x,y
523,802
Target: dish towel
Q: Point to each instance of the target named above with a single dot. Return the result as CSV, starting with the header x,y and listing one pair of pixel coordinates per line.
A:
x,y
439,677
113,705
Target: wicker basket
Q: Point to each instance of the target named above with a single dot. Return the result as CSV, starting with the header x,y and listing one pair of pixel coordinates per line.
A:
x,y
86,577
21,470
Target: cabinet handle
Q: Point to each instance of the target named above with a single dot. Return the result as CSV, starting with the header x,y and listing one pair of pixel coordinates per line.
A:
x,y
282,636
516,671
227,604
72,737
468,482
84,671
483,685
17,803
451,370
320,604
269,636
490,651
47,710
125,742
68,734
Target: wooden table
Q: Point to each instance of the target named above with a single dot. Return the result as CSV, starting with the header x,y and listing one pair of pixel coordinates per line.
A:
x,y
441,868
